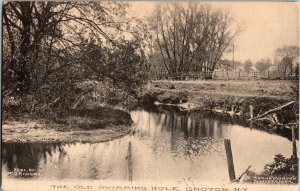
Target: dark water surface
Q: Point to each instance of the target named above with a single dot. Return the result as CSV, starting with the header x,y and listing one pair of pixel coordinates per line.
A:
x,y
166,145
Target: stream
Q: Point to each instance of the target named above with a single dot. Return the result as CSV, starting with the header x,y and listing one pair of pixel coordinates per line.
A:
x,y
167,145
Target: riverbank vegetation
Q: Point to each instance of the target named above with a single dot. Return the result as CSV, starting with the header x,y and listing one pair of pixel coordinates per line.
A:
x,y
232,98
66,62
66,66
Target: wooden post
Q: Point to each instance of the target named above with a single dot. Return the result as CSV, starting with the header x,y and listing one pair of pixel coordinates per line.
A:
x,y
251,124
251,111
232,108
129,158
239,74
229,160
268,74
294,142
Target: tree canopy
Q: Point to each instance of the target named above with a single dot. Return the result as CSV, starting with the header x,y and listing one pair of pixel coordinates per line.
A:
x,y
49,46
285,57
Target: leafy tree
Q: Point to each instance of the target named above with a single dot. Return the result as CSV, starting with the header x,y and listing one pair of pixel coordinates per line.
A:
x,y
228,64
284,58
36,30
248,66
263,65
50,46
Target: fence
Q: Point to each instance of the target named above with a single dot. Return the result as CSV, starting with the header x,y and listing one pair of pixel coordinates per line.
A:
x,y
226,75
218,75
243,75
238,75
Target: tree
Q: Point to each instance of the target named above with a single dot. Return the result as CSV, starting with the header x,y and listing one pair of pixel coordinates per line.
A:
x,y
284,58
248,66
192,37
49,46
37,33
97,62
263,65
228,64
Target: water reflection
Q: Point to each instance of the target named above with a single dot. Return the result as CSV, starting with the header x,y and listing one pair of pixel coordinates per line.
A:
x,y
167,145
24,158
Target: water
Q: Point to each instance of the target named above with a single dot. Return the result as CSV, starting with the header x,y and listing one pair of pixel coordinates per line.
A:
x,y
166,145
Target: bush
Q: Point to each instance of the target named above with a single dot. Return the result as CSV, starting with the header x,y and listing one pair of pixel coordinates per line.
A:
x,y
282,165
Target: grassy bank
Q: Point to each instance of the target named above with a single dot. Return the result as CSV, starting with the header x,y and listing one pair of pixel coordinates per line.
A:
x,y
81,125
234,97
88,114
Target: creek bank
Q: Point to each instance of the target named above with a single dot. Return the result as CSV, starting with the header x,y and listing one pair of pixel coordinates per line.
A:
x,y
81,125
232,101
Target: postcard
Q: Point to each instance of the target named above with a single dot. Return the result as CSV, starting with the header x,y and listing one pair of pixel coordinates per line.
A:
x,y
150,96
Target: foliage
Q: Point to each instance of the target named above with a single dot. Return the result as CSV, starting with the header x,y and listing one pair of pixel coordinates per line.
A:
x,y
286,59
263,65
282,165
50,46
248,66
228,65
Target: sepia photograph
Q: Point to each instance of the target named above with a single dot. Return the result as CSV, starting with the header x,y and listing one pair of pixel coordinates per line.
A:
x,y
150,96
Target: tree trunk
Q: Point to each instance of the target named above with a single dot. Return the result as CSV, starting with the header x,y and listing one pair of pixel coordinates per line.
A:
x,y
23,75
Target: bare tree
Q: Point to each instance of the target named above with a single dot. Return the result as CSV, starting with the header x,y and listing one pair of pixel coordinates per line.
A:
x,y
191,36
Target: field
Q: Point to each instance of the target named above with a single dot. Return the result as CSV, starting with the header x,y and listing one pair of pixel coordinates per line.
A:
x,y
281,89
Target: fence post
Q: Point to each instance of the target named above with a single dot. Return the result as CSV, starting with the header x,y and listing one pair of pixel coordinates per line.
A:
x,y
239,74
251,111
251,124
229,159
129,158
268,74
294,142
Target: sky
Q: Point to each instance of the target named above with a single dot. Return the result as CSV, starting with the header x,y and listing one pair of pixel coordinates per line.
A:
x,y
266,26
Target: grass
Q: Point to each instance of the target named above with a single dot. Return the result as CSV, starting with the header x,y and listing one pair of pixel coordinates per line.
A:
x,y
89,120
224,95
82,125
282,89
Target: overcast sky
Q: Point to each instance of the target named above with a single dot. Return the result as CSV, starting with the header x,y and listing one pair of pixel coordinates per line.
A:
x,y
266,26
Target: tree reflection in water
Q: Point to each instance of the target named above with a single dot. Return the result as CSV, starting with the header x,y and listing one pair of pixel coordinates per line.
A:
x,y
27,156
191,134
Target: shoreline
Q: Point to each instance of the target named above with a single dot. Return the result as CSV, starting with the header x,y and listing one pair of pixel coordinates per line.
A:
x,y
93,137
232,98
112,125
106,124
